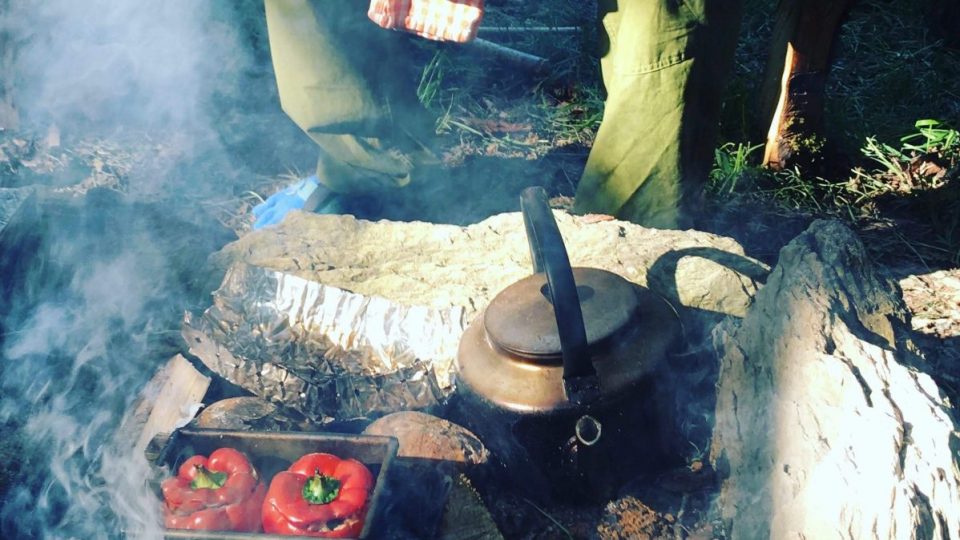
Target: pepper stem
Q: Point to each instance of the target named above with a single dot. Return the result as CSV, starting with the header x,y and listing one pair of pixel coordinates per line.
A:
x,y
321,489
205,478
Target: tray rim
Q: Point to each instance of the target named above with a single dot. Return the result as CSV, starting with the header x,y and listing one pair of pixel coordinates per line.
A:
x,y
392,447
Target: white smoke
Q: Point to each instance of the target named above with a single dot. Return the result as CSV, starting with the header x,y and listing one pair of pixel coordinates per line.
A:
x,y
80,340
141,63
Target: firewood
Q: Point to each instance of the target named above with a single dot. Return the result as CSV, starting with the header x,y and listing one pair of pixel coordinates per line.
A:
x,y
168,401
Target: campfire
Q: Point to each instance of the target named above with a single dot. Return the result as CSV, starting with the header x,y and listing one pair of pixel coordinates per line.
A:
x,y
657,448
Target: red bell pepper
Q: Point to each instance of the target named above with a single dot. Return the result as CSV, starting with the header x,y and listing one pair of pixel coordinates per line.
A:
x,y
219,493
319,495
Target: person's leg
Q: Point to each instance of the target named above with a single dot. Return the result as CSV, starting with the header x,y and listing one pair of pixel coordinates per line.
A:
x,y
664,68
339,80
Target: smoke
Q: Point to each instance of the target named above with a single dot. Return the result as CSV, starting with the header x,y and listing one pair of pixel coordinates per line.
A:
x,y
127,63
96,285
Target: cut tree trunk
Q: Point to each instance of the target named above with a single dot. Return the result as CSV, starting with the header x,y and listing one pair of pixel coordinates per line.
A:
x,y
793,85
826,424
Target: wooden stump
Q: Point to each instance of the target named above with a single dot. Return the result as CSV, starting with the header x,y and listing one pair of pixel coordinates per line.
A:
x,y
792,95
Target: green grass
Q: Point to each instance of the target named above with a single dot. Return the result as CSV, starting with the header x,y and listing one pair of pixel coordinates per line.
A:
x,y
878,162
890,69
914,181
733,163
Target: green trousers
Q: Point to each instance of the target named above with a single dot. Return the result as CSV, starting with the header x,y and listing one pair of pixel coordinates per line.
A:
x,y
664,63
340,80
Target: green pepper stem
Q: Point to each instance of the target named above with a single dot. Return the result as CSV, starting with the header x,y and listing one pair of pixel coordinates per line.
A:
x,y
321,489
205,478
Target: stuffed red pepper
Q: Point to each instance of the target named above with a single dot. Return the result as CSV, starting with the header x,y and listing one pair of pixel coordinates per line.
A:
x,y
319,495
222,492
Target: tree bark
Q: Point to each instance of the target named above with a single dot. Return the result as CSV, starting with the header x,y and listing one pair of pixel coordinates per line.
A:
x,y
792,94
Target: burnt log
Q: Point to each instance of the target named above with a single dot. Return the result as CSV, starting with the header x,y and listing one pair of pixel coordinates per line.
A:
x,y
792,94
828,424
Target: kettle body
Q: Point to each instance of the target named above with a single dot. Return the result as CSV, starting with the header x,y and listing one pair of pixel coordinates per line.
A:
x,y
558,375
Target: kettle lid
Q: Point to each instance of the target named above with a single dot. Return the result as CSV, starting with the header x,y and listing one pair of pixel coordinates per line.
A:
x,y
521,320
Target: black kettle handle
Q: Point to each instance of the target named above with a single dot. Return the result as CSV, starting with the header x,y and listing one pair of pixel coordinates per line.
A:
x,y
550,256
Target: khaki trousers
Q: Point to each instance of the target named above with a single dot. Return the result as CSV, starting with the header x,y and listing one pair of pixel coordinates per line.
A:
x,y
664,63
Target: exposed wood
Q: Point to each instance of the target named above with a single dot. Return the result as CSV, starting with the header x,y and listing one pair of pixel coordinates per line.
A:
x,y
792,95
167,402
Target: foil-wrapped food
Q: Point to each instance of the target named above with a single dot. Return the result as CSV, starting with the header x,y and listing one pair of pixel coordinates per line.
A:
x,y
323,351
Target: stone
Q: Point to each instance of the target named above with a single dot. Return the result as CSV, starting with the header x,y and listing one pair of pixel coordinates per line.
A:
x,y
826,424
248,413
416,263
427,437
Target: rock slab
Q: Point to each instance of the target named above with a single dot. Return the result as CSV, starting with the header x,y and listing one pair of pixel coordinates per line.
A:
x,y
423,436
826,424
440,266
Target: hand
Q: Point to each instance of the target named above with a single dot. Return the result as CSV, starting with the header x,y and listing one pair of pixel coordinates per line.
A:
x,y
304,194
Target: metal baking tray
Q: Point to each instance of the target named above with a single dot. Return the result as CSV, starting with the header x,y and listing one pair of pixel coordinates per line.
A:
x,y
272,452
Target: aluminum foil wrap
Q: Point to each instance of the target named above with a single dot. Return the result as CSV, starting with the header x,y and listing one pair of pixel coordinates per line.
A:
x,y
323,351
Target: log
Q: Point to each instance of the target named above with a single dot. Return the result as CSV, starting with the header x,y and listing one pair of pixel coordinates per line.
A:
x,y
826,423
427,437
168,401
792,93
419,263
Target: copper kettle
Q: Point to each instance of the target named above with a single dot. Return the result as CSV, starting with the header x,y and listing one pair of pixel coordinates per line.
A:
x,y
552,373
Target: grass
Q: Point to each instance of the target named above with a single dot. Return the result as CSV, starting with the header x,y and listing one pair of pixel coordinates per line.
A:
x,y
517,114
732,164
889,152
914,183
